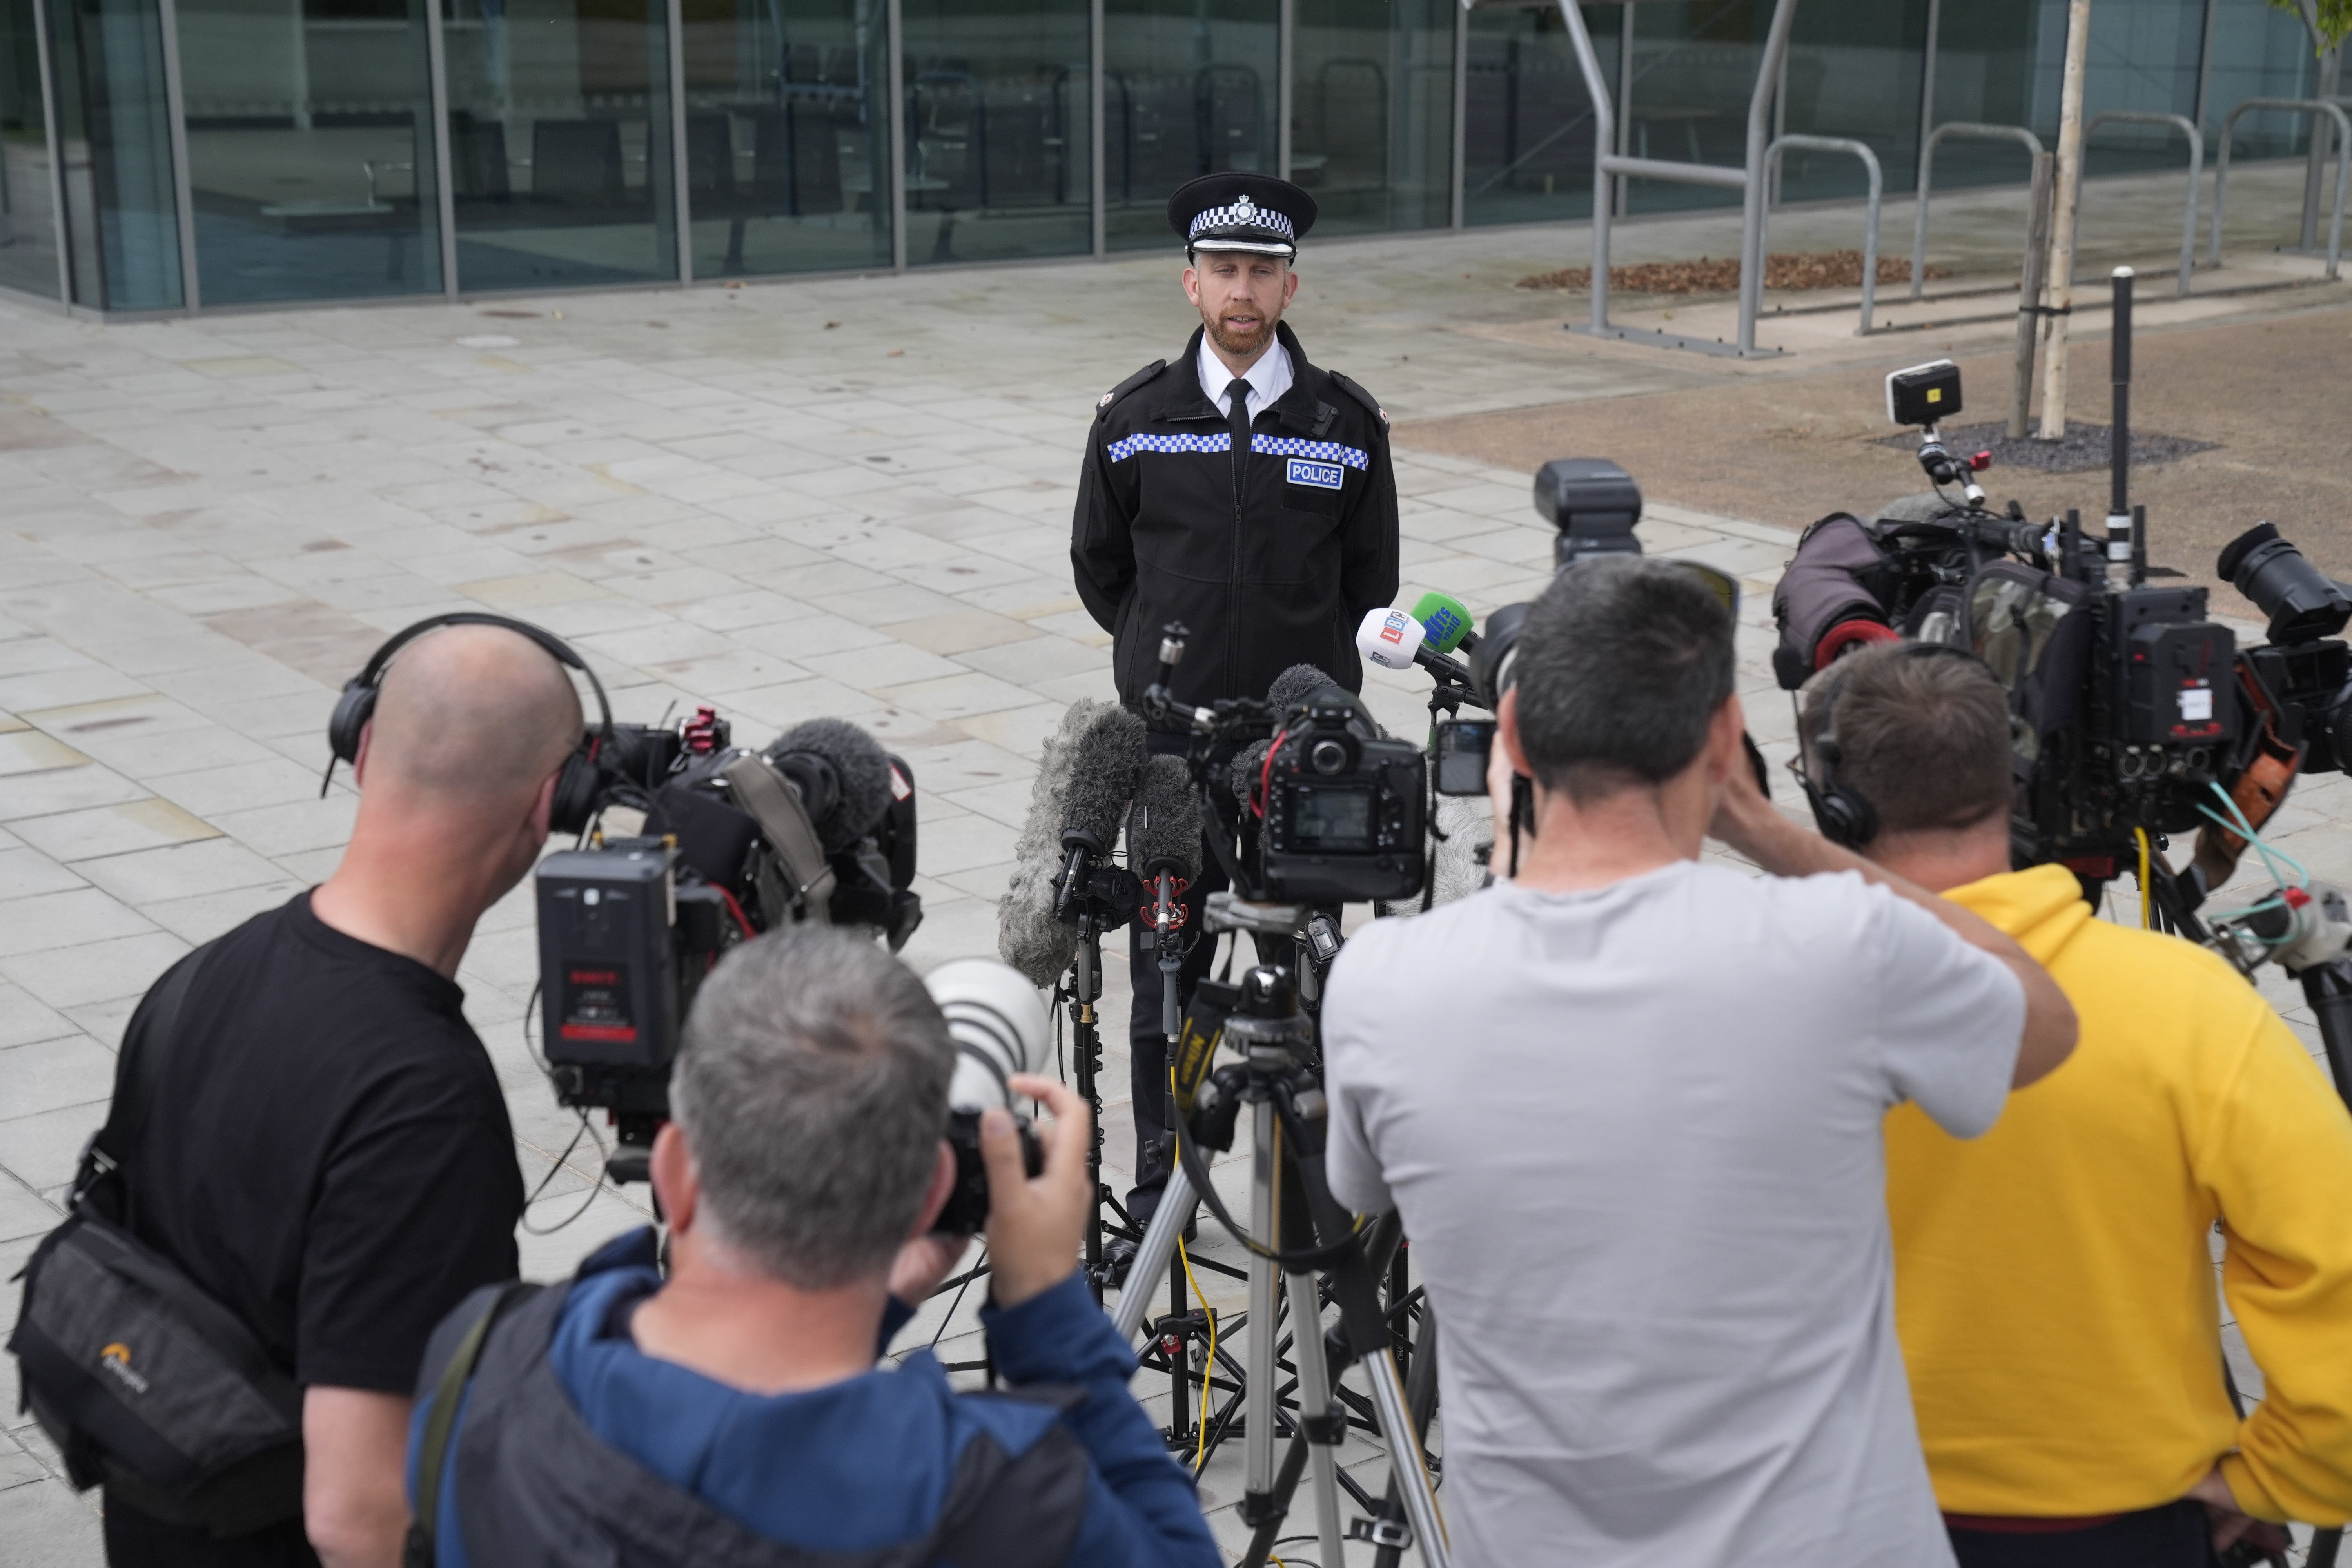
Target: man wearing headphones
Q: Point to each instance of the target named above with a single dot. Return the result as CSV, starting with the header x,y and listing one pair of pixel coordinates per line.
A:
x,y
2053,1279
330,1158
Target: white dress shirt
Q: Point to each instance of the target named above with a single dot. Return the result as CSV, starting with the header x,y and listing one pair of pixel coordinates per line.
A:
x,y
1269,378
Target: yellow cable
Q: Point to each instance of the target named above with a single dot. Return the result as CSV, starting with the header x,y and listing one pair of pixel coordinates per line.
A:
x,y
1201,1449
1201,1452
2147,898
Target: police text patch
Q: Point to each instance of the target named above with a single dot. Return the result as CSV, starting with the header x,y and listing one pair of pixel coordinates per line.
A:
x,y
1321,476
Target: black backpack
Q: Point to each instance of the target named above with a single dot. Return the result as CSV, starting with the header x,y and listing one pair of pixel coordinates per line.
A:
x,y
144,1380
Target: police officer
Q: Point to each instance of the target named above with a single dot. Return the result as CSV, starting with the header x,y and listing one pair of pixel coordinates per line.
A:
x,y
1245,492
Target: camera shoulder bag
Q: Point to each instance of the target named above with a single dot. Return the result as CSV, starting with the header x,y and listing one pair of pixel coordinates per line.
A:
x,y
144,1380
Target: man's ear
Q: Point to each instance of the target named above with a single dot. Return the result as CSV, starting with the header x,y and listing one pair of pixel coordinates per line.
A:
x,y
1506,731
360,757
1193,284
1289,285
935,1196
678,1188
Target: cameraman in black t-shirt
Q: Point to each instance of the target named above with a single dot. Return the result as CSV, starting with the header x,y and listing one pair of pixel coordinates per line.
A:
x,y
330,1156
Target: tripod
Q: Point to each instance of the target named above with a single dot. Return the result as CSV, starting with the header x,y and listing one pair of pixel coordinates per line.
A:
x,y
1287,1185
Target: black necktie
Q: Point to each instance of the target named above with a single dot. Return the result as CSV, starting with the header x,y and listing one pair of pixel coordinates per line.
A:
x,y
1237,400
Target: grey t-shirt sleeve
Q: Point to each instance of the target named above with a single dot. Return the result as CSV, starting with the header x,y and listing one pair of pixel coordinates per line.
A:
x,y
1349,1040
1950,1017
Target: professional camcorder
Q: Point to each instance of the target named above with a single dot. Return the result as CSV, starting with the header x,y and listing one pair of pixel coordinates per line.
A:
x,y
2133,712
818,827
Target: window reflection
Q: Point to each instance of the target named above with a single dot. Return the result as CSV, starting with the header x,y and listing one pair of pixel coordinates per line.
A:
x,y
787,135
310,148
560,153
1373,126
28,235
1189,89
997,154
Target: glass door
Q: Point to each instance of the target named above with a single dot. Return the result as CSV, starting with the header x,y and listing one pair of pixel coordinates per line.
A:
x,y
1189,89
998,158
1372,113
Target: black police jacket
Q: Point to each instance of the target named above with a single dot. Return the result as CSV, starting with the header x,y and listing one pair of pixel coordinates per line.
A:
x,y
1277,576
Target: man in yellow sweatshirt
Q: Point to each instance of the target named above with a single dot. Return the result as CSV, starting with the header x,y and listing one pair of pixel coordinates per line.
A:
x,y
2054,1281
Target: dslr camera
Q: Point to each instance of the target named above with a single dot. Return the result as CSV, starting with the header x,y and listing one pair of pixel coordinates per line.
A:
x,y
1345,807
820,826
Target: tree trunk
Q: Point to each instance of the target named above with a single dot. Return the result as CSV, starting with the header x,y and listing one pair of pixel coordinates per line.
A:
x,y
2061,280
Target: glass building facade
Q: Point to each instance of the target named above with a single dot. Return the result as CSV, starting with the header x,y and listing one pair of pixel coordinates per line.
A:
x,y
187,155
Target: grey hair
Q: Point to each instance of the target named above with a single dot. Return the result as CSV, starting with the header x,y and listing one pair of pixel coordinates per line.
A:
x,y
1621,664
812,1092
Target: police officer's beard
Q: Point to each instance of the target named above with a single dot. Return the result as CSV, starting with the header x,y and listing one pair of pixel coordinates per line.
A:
x,y
1244,345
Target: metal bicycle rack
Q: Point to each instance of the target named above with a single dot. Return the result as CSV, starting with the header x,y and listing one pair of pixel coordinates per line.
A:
x,y
1750,180
1870,223
1971,130
2186,128
2312,106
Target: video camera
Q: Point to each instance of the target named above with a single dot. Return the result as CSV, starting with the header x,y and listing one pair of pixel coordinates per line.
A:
x,y
820,826
2132,711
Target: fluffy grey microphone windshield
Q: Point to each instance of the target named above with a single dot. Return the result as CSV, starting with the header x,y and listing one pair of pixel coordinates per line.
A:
x,y
1247,767
861,765
1164,825
1293,686
1028,937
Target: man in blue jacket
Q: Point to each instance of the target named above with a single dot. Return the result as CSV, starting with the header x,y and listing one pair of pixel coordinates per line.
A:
x,y
733,1413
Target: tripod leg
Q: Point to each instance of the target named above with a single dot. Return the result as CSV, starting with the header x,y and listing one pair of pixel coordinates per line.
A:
x,y
1319,1421
1421,1394
1367,1330
1264,1280
1157,1255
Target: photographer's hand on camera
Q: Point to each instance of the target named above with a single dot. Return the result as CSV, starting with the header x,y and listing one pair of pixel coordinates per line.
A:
x,y
1036,1223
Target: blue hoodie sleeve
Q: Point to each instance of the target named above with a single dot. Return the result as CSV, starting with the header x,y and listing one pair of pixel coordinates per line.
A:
x,y
1141,1509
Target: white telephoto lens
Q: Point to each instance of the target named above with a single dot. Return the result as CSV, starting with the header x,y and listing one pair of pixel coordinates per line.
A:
x,y
998,1024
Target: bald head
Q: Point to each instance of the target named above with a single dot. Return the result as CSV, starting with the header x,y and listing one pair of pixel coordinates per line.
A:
x,y
472,714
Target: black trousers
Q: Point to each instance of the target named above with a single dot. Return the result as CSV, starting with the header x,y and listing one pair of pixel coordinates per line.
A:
x,y
2177,1535
1148,1044
136,1540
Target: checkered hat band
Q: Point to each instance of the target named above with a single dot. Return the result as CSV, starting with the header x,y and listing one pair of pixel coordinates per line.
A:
x,y
1262,445
1258,216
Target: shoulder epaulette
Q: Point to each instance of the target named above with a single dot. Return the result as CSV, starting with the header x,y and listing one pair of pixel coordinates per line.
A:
x,y
1103,405
1360,395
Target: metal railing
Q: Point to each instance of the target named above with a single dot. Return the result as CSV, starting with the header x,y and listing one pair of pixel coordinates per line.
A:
x,y
1609,167
1870,223
2313,106
2188,128
1974,131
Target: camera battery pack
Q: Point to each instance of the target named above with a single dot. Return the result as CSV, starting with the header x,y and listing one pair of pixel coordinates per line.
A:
x,y
608,981
2178,669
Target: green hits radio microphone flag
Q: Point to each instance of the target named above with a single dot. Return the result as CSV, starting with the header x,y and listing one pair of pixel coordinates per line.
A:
x,y
1444,621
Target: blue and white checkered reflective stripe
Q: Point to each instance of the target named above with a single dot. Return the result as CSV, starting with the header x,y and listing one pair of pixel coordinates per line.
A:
x,y
1243,214
1127,446
1321,451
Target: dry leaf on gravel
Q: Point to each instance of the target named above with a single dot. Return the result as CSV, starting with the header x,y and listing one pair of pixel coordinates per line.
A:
x,y
1709,275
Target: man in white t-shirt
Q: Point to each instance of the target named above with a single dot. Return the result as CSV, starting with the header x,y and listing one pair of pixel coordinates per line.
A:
x,y
1629,1105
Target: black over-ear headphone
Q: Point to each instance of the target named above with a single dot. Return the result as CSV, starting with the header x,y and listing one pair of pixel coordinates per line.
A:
x,y
1843,813
576,787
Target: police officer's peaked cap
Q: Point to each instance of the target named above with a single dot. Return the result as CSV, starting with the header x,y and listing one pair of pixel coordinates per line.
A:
x,y
1235,211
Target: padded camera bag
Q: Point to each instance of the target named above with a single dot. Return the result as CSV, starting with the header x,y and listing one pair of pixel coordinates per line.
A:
x,y
1839,573
144,1380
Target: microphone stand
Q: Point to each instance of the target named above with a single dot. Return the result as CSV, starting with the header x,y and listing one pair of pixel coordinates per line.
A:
x,y
1096,895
